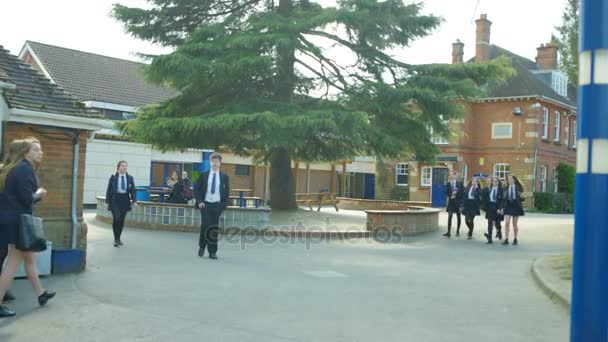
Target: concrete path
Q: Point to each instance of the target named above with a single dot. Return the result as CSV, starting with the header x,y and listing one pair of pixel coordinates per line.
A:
x,y
425,288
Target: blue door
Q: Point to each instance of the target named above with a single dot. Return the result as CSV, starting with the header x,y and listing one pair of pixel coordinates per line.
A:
x,y
369,187
439,189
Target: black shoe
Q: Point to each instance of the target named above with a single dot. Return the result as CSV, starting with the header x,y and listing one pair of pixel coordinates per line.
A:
x,y
469,237
447,235
201,252
8,297
120,243
457,234
116,244
212,256
506,242
499,236
5,312
515,242
45,296
488,236
489,242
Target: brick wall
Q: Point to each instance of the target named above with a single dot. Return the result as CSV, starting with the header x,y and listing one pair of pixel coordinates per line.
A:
x,y
55,175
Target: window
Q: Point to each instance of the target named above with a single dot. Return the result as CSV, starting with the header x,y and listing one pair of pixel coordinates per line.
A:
x,y
567,132
502,130
543,178
401,173
426,176
241,170
556,128
559,83
501,170
554,179
574,134
545,123
436,138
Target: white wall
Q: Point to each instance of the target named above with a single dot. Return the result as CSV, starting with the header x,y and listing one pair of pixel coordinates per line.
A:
x,y
101,159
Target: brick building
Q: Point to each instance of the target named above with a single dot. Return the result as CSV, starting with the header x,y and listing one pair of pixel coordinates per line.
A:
x,y
30,105
524,126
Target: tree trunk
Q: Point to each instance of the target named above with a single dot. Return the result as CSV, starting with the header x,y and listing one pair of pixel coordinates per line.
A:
x,y
282,196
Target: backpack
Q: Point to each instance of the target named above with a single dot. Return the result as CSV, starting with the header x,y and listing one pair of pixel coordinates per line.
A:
x,y
187,191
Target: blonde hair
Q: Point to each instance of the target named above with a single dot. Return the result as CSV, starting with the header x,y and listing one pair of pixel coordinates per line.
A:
x,y
16,153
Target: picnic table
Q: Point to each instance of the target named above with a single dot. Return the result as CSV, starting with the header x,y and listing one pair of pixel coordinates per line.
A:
x,y
159,193
316,198
241,199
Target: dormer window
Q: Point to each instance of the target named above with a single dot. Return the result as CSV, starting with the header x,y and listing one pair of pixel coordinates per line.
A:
x,y
559,83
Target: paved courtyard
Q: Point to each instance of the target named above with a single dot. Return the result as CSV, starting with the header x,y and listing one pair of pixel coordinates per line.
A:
x,y
425,288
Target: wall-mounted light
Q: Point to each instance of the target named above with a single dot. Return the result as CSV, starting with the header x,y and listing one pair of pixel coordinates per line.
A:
x,y
517,111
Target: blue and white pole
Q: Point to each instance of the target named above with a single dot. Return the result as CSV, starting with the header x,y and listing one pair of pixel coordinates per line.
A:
x,y
589,314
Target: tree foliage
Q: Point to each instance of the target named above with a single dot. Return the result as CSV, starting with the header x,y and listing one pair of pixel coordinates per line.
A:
x,y
568,40
260,77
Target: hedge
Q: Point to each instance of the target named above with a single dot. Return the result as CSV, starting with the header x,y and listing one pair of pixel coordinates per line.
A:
x,y
565,178
555,203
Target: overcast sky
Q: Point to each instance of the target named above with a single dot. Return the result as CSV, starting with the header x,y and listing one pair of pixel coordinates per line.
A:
x,y
518,25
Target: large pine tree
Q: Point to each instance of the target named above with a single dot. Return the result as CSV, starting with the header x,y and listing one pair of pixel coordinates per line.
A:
x,y
258,78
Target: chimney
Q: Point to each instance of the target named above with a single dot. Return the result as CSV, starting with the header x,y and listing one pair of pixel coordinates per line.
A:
x,y
482,40
457,52
546,56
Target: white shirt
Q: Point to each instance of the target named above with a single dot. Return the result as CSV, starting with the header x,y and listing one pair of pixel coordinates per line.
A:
x,y
120,190
471,196
493,194
209,197
512,192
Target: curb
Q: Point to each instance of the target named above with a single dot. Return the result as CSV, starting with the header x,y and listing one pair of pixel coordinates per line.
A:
x,y
546,286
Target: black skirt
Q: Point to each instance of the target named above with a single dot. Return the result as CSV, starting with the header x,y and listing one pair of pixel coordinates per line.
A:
x,y
471,207
513,208
453,205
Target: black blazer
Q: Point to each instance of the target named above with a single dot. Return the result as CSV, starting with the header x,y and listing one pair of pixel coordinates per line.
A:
x,y
21,185
112,190
485,198
177,194
518,199
200,188
454,203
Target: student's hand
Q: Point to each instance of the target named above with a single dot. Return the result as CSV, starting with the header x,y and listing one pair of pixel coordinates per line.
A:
x,y
40,193
201,205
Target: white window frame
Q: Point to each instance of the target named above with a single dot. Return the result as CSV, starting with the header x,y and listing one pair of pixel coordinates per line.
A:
x,y
424,180
465,172
543,178
437,139
399,171
496,124
556,126
545,123
574,127
504,173
555,179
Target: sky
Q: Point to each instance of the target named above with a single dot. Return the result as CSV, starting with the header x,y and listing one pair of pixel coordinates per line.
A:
x,y
517,25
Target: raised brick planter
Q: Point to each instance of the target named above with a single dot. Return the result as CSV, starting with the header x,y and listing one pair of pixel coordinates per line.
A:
x,y
367,204
414,220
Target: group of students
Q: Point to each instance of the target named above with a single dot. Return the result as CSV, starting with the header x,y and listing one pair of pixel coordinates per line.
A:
x,y
210,192
19,191
499,203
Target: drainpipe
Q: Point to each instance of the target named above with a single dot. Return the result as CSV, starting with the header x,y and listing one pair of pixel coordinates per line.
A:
x,y
75,138
76,141
536,106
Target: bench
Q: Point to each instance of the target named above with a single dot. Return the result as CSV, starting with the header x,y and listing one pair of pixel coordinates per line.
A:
x,y
316,198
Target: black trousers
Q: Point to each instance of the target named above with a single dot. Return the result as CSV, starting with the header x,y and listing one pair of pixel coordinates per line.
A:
x,y
210,220
119,211
457,220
